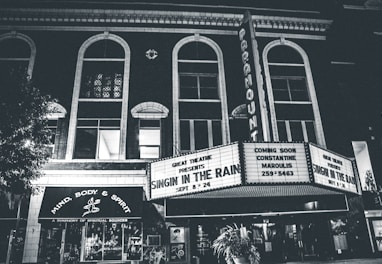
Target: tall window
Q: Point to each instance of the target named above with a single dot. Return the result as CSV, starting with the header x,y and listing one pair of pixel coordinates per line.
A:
x,y
293,103
150,115
17,54
99,107
238,122
55,113
200,111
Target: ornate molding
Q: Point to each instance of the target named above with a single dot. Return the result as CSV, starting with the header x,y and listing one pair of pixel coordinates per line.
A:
x,y
145,17
82,16
291,23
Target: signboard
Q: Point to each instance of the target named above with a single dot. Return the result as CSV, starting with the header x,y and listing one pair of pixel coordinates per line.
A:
x,y
248,48
275,163
377,226
332,170
201,171
86,203
365,171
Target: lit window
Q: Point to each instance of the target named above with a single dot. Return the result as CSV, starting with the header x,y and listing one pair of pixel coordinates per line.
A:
x,y
149,139
98,124
97,139
149,135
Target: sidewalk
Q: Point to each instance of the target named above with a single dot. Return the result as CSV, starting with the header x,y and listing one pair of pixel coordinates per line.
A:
x,y
342,261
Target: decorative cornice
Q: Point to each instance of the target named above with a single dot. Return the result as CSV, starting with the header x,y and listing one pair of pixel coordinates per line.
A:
x,y
291,23
156,17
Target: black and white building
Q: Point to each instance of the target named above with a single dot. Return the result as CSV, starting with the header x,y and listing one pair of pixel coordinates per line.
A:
x,y
176,119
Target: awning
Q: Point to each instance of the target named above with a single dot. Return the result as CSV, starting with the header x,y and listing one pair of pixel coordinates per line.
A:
x,y
262,191
257,200
91,203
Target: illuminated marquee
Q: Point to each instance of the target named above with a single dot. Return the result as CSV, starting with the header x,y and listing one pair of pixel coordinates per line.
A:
x,y
201,171
332,170
275,163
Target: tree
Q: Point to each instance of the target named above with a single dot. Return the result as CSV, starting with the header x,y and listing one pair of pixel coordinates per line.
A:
x,y
24,134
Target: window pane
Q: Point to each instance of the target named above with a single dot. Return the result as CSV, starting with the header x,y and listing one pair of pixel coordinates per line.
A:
x,y
280,89
285,70
188,87
188,67
208,87
113,242
149,137
298,90
108,144
105,49
93,241
102,80
14,48
185,135
239,129
217,133
282,131
201,135
149,152
86,142
99,110
282,53
310,131
149,123
296,131
87,123
197,50
110,123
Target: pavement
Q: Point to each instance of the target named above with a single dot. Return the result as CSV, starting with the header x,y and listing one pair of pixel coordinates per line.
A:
x,y
342,261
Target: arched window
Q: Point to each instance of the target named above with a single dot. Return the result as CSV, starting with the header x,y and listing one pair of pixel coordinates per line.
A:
x,y
292,98
238,122
199,95
149,115
98,121
17,54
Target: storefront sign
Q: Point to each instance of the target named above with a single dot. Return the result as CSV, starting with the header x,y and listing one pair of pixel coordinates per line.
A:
x,y
87,203
247,48
332,170
275,163
205,170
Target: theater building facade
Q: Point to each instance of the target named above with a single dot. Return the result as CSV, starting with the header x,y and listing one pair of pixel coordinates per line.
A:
x,y
173,121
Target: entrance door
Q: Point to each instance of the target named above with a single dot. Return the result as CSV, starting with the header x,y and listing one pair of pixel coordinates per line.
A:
x,y
267,238
301,241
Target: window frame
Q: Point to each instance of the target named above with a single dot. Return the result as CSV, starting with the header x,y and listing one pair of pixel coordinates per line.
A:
x,y
310,86
221,86
150,111
29,41
191,138
77,86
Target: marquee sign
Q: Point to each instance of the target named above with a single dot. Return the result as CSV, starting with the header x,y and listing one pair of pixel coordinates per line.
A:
x,y
275,163
332,170
84,203
201,171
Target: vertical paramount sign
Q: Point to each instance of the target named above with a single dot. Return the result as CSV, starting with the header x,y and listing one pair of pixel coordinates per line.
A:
x,y
249,53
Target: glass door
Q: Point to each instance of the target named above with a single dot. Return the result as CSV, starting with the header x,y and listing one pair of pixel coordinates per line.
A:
x,y
113,242
93,245
267,239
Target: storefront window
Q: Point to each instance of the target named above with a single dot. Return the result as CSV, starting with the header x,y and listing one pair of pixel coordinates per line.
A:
x,y
91,241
